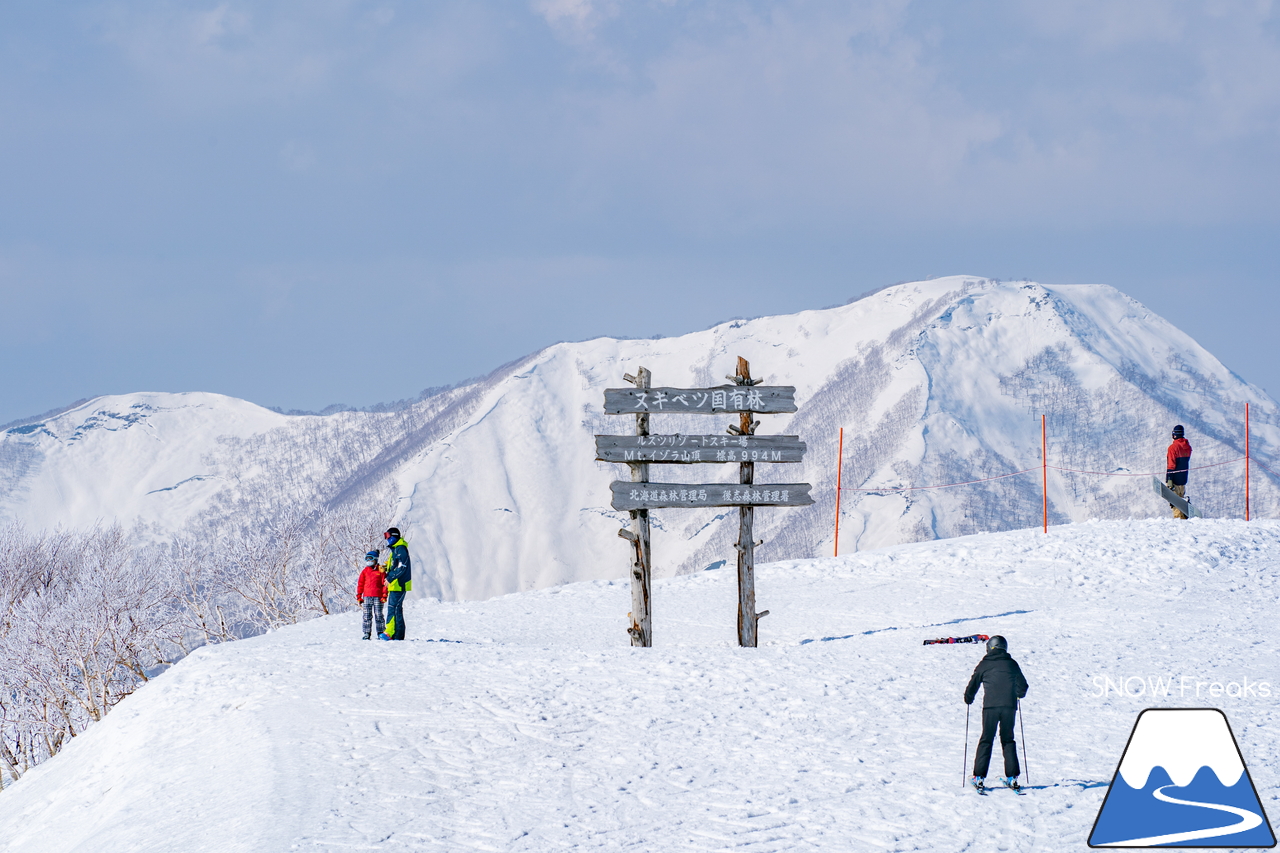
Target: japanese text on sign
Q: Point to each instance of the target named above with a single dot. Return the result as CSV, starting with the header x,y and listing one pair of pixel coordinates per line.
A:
x,y
731,398
699,448
658,495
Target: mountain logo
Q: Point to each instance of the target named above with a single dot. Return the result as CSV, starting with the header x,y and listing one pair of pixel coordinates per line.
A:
x,y
1182,782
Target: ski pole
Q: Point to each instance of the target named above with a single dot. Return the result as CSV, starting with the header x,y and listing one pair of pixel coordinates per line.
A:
x,y
1026,770
964,776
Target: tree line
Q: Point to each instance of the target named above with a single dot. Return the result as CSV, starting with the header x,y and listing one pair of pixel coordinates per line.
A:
x,y
89,616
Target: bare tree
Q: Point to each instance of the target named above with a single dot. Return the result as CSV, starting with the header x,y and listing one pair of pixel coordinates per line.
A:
x,y
86,617
85,622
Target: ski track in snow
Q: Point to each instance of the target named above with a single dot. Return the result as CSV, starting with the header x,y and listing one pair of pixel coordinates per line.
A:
x,y
526,723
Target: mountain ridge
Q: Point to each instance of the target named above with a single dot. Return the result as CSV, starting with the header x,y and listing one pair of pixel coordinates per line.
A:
x,y
496,485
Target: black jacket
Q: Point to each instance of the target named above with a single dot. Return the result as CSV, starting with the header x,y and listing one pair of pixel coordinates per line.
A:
x,y
1002,677
399,573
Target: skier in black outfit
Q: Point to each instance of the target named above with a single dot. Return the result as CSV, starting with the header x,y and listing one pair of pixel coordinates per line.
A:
x,y
1005,685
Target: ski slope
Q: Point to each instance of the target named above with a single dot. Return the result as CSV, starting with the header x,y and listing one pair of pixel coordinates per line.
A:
x,y
526,723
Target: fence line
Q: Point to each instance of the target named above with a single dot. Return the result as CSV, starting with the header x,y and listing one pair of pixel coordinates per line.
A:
x,y
1045,467
1051,468
1151,474
943,486
1265,466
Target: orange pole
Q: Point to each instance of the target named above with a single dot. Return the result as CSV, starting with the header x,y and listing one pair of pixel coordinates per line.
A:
x,y
1246,461
839,471
1044,470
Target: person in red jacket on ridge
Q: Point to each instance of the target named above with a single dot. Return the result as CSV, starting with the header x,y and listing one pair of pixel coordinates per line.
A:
x,y
371,593
1179,463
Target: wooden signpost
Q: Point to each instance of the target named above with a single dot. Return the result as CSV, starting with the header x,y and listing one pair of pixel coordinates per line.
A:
x,y
641,629
746,397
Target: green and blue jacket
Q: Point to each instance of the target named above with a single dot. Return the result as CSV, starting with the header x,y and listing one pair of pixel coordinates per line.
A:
x,y
399,574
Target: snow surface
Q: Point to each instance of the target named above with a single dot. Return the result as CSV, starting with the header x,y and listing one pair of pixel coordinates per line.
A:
x,y
526,723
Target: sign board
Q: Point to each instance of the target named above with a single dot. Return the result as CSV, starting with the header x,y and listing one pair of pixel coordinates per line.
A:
x,y
629,496
699,448
763,399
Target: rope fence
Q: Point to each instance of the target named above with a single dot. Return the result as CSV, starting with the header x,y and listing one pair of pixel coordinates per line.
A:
x,y
1043,469
1265,467
943,486
1051,468
1146,474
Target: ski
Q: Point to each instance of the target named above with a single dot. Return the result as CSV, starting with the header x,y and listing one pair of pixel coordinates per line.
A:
x,y
1013,786
978,786
972,638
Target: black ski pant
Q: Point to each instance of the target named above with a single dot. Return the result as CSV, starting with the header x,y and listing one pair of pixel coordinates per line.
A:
x,y
1002,717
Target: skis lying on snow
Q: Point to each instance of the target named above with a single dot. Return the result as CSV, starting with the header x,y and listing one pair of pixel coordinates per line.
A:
x,y
1180,503
974,638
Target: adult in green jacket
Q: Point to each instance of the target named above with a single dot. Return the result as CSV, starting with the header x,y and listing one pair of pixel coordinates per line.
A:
x,y
399,581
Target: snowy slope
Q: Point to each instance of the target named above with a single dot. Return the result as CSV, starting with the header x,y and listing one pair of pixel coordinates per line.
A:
x,y
128,457
526,723
933,382
175,462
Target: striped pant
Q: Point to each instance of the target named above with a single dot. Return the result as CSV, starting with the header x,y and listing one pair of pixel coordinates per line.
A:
x,y
372,612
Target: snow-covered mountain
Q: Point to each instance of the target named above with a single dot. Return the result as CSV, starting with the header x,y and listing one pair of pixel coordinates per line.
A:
x,y
497,489
527,723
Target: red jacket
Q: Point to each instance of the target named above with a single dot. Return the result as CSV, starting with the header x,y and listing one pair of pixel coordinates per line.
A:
x,y
1179,459
372,583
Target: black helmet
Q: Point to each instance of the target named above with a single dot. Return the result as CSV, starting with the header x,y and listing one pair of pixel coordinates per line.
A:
x,y
1177,431
997,642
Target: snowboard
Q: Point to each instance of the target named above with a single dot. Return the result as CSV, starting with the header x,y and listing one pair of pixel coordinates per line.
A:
x,y
1188,509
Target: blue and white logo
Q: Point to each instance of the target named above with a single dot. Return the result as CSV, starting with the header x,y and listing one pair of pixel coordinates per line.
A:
x,y
1182,783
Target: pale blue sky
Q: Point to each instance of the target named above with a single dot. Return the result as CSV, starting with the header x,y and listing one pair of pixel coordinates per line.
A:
x,y
313,202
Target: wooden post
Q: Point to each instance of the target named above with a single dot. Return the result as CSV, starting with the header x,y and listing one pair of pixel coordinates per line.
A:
x,y
1044,470
839,470
747,616
641,629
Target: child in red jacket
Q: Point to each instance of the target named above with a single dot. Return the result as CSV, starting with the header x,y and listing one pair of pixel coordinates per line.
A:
x,y
371,592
